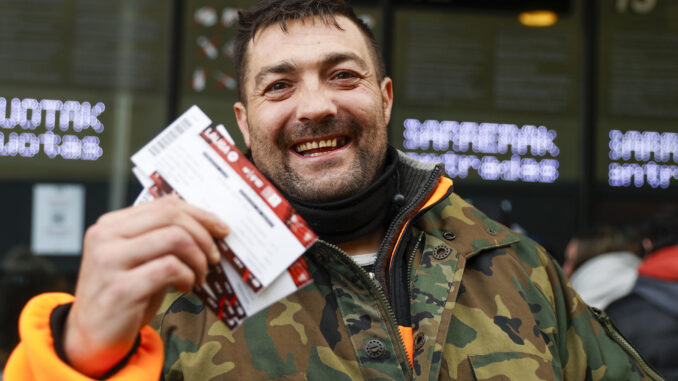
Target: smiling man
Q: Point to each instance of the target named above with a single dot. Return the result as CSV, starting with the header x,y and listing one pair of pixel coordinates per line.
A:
x,y
410,282
315,108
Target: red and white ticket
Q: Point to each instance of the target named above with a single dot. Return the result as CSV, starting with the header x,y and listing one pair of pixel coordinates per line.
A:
x,y
261,256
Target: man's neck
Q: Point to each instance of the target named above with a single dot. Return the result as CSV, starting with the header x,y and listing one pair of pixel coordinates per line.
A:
x,y
364,245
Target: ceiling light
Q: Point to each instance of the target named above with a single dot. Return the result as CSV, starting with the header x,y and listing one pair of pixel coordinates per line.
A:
x,y
538,18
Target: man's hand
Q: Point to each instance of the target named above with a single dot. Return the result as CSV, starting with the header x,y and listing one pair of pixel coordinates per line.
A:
x,y
130,257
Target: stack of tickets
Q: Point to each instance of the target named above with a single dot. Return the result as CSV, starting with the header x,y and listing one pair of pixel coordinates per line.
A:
x,y
261,257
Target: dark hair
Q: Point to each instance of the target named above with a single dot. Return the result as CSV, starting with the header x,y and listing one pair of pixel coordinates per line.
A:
x,y
269,12
602,240
662,229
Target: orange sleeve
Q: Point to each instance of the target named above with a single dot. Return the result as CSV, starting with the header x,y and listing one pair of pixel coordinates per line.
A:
x,y
35,358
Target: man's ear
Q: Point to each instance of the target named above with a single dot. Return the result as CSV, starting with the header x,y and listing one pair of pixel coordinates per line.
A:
x,y
387,97
241,118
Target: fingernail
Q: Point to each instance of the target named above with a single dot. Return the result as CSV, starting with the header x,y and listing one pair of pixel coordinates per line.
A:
x,y
215,255
223,228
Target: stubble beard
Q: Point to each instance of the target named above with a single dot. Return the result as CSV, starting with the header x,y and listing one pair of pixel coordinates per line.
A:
x,y
368,142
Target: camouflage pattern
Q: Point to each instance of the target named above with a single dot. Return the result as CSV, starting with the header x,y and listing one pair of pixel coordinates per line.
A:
x,y
486,304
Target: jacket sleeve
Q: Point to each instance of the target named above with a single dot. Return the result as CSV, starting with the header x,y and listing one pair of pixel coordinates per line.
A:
x,y
589,346
36,359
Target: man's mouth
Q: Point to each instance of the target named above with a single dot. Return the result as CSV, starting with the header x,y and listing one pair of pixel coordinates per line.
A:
x,y
320,146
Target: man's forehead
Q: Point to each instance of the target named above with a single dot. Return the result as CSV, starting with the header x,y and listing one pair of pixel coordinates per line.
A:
x,y
338,23
311,34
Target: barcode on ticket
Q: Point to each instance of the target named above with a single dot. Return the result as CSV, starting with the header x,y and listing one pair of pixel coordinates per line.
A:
x,y
170,135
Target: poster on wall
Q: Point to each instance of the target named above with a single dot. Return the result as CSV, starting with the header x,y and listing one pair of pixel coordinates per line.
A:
x,y
58,219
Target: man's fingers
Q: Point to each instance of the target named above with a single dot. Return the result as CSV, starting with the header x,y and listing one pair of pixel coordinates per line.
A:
x,y
165,212
172,239
161,212
155,276
211,222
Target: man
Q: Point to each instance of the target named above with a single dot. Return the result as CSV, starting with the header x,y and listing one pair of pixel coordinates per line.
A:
x,y
648,316
453,294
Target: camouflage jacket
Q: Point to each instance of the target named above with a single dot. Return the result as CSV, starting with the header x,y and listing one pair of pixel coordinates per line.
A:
x,y
481,303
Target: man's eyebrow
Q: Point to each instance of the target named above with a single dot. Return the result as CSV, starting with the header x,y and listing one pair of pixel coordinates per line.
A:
x,y
337,58
279,68
329,60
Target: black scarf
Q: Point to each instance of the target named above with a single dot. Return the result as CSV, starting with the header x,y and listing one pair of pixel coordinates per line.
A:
x,y
359,214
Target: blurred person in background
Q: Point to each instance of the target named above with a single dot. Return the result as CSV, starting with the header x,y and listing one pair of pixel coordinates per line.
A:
x,y
648,316
602,264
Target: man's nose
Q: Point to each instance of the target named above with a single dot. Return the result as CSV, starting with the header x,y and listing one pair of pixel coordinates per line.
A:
x,y
315,103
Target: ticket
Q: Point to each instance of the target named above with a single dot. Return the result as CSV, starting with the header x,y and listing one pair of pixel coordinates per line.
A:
x,y
207,170
261,257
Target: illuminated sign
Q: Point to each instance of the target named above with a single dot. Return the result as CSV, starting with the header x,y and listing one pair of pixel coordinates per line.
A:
x,y
29,126
496,151
641,158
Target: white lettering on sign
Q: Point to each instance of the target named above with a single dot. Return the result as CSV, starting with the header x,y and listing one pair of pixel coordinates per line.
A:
x,y
29,114
472,146
648,157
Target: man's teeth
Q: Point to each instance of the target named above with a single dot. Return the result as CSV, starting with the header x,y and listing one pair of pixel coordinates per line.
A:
x,y
325,143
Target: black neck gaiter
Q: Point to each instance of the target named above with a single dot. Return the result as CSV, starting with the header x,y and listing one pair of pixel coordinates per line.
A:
x,y
360,214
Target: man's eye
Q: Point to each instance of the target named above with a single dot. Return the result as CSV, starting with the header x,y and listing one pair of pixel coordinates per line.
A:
x,y
277,86
344,75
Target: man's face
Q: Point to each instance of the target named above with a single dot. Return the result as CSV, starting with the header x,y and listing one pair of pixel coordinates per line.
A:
x,y
316,113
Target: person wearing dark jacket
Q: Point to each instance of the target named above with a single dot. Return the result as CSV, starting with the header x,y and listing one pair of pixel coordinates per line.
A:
x,y
648,316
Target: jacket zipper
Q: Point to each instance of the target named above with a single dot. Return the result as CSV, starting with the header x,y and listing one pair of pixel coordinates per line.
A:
x,y
376,288
375,284
410,263
610,328
391,231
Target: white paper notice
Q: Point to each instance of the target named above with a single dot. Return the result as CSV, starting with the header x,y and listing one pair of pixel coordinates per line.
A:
x,y
58,219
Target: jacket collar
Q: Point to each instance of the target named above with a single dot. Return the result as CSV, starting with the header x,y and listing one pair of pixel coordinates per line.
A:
x,y
417,182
